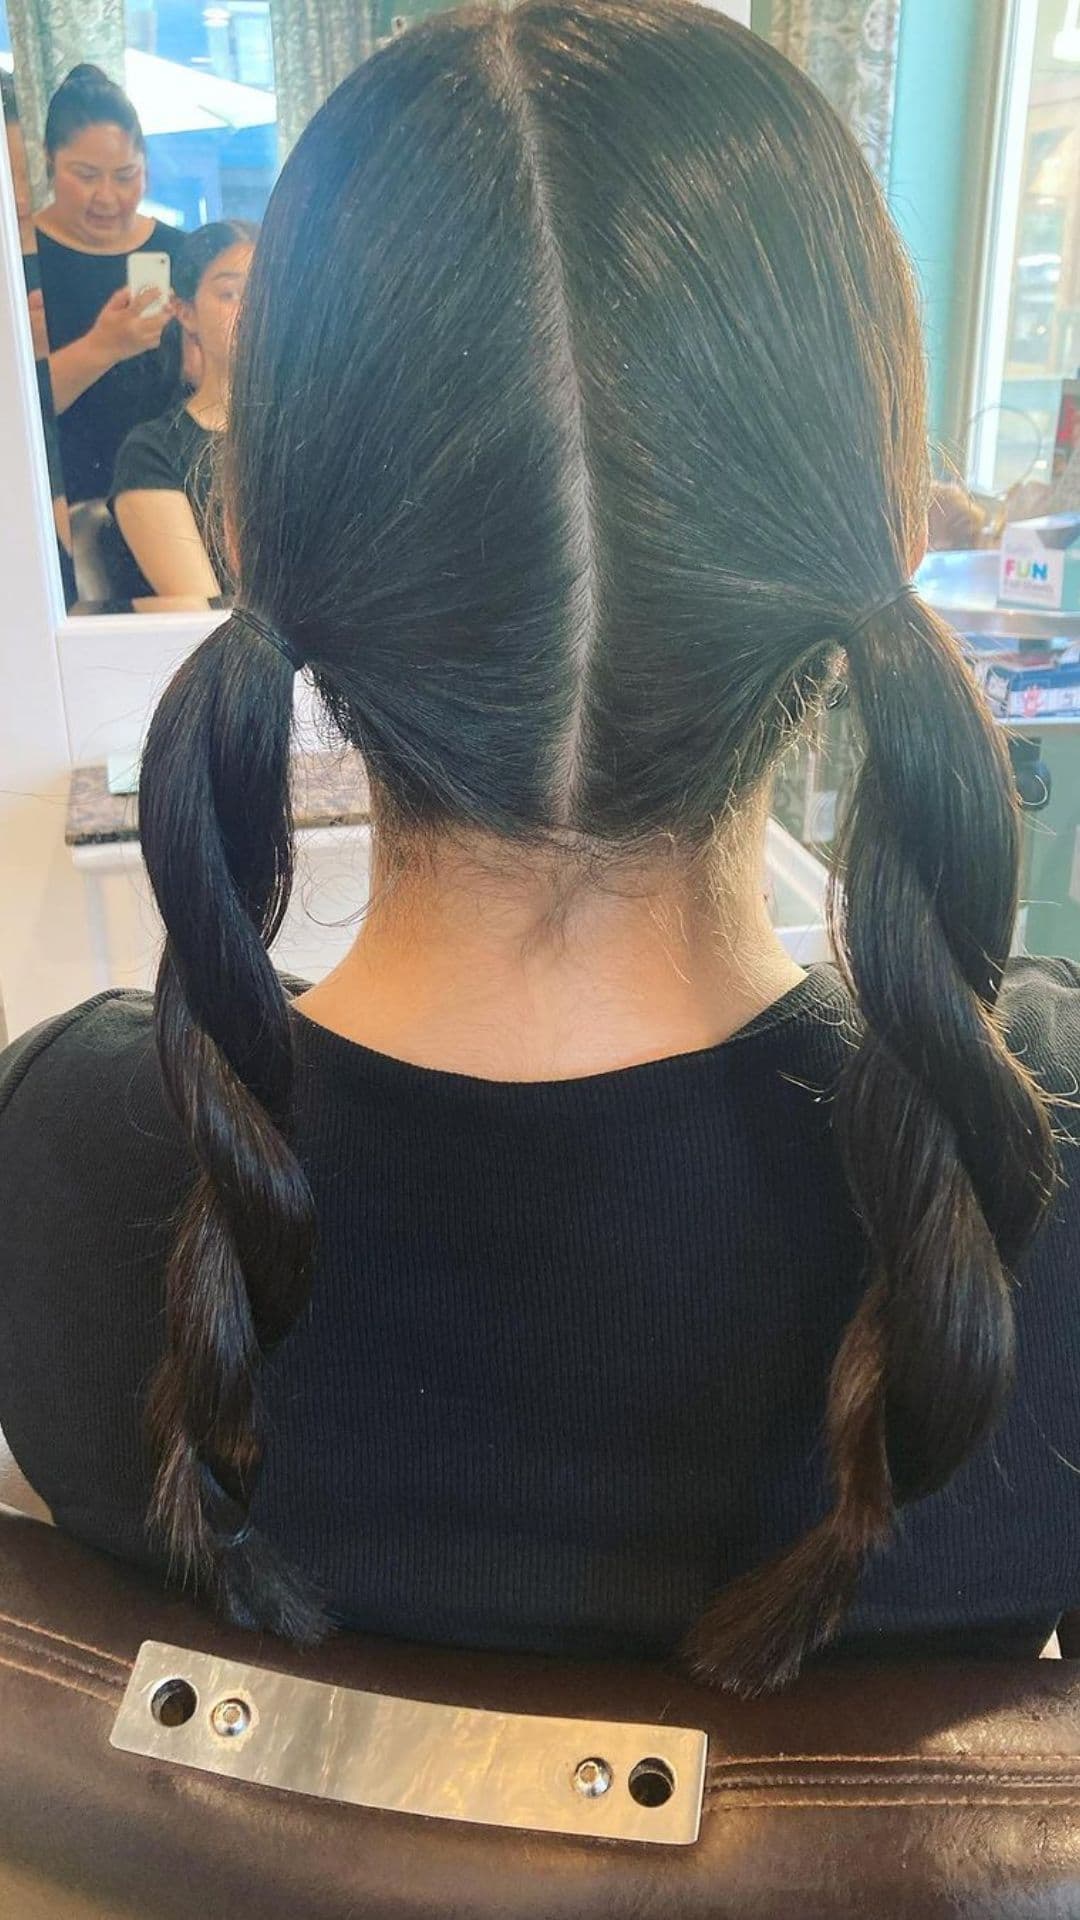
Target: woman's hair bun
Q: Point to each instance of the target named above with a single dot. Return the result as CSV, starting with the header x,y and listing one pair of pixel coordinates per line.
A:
x,y
86,97
86,75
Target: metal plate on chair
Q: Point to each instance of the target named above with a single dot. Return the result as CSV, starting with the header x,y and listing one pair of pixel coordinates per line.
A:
x,y
607,1779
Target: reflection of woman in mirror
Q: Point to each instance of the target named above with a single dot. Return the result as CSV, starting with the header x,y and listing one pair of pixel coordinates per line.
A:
x,y
39,335
106,373
162,485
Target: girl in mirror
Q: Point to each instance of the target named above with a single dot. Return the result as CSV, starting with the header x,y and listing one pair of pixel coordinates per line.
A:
x,y
161,494
106,372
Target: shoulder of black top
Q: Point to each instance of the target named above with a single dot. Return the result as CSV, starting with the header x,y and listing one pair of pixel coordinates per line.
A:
x,y
165,238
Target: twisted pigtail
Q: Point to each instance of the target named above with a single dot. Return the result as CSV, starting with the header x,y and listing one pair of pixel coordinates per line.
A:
x,y
216,832
944,1137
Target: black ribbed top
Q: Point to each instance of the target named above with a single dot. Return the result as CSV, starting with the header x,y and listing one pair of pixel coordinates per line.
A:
x,y
564,1368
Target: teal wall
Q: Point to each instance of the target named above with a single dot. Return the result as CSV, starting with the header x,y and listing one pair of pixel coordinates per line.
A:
x,y
942,132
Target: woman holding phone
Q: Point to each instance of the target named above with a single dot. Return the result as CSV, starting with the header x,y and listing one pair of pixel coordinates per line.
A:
x,y
162,488
106,372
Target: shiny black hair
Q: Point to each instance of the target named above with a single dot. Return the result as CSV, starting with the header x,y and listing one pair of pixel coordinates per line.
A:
x,y
88,98
577,433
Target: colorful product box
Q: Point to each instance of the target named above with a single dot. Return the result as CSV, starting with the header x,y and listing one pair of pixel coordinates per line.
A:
x,y
1040,564
1017,689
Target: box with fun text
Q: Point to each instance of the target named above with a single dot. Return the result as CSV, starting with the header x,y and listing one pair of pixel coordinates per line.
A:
x,y
1040,564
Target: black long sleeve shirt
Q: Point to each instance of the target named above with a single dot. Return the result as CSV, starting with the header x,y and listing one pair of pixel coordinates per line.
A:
x,y
564,1369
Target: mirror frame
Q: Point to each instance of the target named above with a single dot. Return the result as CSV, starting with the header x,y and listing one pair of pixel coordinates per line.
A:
x,y
101,658
72,690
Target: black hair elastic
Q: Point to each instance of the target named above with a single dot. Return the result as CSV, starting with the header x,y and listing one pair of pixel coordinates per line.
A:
x,y
907,591
256,624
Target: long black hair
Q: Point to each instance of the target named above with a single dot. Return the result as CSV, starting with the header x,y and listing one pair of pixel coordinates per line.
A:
x,y
86,97
578,425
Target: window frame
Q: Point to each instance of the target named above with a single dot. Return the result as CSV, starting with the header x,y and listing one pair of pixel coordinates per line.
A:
x,y
1002,210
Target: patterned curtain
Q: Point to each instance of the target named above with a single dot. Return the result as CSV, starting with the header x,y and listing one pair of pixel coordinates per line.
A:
x,y
316,43
849,48
48,38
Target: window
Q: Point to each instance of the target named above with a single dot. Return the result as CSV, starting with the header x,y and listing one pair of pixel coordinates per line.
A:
x,y
201,78
202,81
1031,340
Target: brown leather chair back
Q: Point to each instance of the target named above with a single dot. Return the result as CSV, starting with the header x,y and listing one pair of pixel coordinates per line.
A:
x,y
905,1794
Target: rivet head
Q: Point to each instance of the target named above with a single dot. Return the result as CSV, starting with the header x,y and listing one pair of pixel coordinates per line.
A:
x,y
592,1778
230,1717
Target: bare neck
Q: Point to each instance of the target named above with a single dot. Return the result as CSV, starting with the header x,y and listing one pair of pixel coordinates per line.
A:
x,y
477,965
207,405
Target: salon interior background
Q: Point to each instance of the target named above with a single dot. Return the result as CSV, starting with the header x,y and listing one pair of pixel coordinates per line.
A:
x,y
203,78
222,89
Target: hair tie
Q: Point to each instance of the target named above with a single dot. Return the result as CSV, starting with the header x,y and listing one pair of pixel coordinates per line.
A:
x,y
907,591
255,623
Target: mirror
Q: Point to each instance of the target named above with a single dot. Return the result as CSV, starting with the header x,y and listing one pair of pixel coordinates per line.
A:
x,y
139,209
148,144
145,143
31,266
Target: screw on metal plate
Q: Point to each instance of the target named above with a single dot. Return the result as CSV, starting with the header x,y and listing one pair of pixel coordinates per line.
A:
x,y
230,1717
592,1778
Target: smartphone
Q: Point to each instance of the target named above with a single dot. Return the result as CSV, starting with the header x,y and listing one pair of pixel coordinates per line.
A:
x,y
150,270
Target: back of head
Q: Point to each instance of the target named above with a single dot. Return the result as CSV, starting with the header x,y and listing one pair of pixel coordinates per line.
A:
x,y
621,393
578,423
86,97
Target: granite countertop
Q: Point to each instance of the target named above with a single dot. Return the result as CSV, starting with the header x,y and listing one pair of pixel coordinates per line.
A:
x,y
329,790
